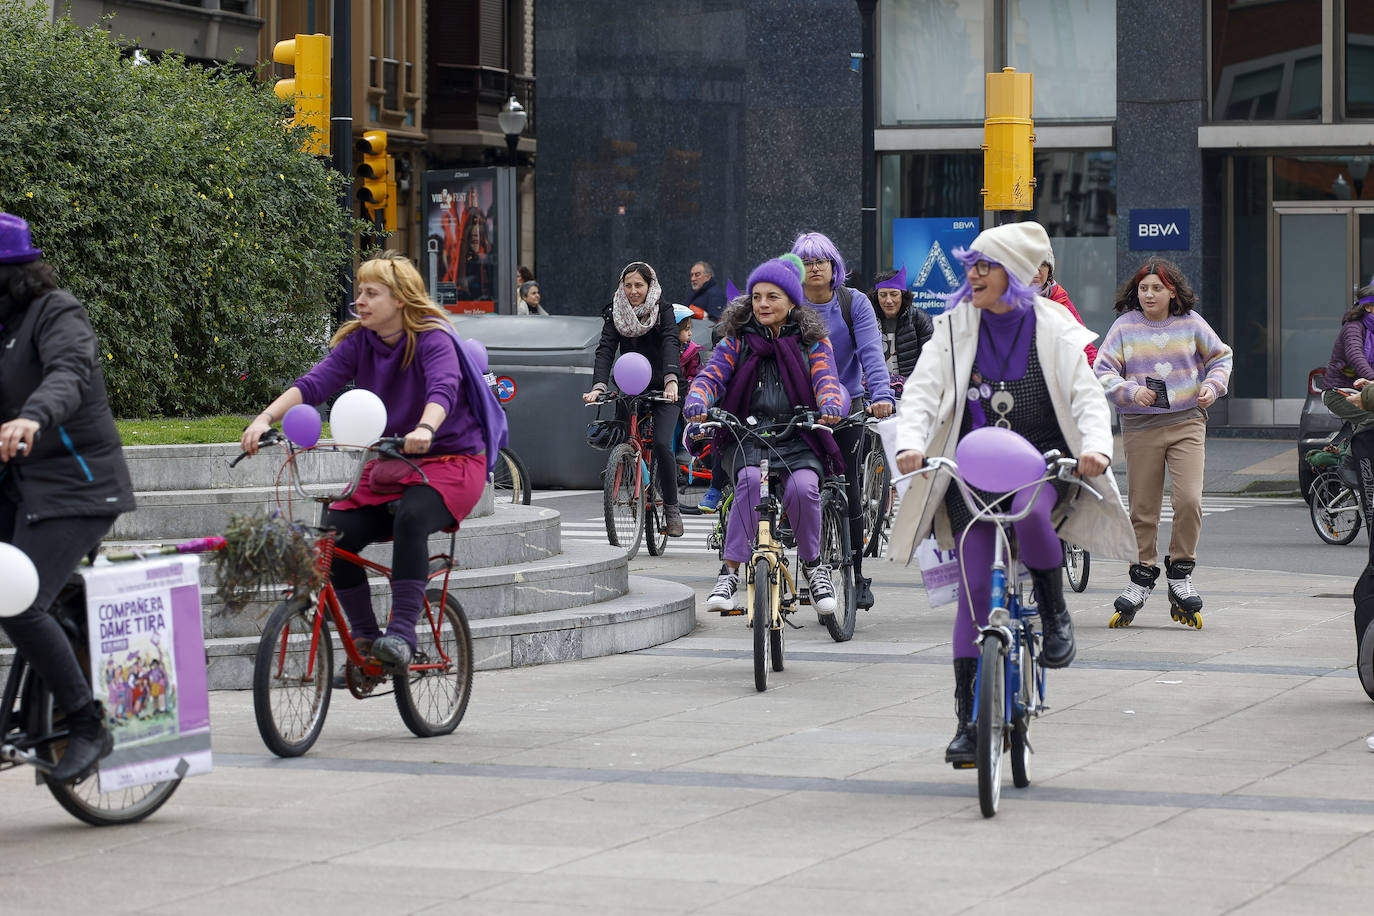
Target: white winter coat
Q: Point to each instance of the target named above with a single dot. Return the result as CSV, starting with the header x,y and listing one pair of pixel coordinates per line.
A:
x,y
932,410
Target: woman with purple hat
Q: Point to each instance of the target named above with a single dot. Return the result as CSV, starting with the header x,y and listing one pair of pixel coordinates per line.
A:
x,y
775,356
1003,356
63,480
905,329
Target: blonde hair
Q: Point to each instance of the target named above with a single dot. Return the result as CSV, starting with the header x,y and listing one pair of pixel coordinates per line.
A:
x,y
418,312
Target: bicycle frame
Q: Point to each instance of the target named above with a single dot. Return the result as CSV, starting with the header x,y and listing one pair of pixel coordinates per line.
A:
x,y
769,549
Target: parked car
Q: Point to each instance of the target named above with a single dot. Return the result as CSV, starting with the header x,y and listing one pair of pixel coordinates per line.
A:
x,y
1316,427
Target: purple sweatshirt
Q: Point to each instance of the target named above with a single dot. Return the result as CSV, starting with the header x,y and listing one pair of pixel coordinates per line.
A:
x,y
433,376
1348,359
851,364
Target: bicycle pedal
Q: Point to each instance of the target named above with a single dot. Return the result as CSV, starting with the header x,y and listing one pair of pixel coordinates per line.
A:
x,y
969,765
732,612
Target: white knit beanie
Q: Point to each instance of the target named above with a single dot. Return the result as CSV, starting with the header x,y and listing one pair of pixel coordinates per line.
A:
x,y
1019,247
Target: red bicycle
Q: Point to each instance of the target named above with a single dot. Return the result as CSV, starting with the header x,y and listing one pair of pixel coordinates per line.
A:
x,y
632,497
293,668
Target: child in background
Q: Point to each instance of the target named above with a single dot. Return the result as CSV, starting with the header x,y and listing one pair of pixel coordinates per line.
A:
x,y
691,351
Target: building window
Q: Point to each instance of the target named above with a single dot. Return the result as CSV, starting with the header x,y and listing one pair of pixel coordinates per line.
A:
x,y
1359,59
1070,46
1266,60
931,61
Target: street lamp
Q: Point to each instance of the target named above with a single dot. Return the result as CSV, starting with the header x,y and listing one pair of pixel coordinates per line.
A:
x,y
512,119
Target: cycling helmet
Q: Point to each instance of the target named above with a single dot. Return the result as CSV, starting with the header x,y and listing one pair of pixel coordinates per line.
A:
x,y
606,433
681,313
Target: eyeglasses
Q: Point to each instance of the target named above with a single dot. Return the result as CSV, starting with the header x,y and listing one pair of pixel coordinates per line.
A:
x,y
981,268
815,264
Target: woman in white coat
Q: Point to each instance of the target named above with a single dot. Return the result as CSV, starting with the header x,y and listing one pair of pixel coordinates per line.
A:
x,y
1003,356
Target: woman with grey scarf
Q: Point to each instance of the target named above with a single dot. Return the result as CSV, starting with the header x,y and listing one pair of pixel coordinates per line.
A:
x,y
639,321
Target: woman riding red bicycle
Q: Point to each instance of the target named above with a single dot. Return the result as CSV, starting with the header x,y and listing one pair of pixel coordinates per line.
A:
x,y
401,347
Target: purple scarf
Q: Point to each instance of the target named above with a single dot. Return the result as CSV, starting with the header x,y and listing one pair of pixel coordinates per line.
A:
x,y
796,381
1368,321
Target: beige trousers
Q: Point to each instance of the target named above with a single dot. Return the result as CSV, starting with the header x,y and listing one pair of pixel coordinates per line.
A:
x,y
1179,449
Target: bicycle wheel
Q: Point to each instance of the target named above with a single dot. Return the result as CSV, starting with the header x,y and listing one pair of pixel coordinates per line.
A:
x,y
291,683
1077,563
992,683
835,554
655,527
762,621
1364,658
84,800
877,483
510,482
1022,715
432,700
624,510
1335,510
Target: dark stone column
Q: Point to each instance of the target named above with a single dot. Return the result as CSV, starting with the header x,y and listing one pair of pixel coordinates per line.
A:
x,y
722,128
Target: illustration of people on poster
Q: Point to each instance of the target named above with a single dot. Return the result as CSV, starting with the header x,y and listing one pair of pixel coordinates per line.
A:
x,y
460,250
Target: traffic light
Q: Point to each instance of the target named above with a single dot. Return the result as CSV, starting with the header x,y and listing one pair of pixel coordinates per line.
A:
x,y
389,212
309,89
374,174
1008,142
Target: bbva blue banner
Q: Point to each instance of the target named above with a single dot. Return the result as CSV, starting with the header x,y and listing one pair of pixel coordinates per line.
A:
x,y
1159,230
922,245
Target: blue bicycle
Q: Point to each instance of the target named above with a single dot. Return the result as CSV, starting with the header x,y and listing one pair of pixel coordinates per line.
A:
x,y
1010,688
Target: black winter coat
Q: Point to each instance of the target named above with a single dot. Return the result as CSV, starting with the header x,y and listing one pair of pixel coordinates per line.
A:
x,y
50,373
914,328
660,345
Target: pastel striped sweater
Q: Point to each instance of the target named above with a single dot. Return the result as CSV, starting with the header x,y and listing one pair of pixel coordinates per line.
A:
x,y
1183,350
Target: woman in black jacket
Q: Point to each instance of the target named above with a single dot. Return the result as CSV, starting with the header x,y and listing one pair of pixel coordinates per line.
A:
x,y
63,481
905,328
638,321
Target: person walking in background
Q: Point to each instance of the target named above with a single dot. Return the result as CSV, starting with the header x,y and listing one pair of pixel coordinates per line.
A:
x,y
1162,365
1352,360
905,329
706,295
529,299
1047,287
523,275
639,321
858,345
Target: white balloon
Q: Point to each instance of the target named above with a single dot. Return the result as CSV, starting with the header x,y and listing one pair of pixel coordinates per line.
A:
x,y
358,418
20,578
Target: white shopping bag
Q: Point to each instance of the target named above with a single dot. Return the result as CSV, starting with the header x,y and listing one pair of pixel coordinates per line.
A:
x,y
940,570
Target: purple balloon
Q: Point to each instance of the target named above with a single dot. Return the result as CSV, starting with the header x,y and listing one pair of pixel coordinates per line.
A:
x,y
632,372
302,425
478,352
999,460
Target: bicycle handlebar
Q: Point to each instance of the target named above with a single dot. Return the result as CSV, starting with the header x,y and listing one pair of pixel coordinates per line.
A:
x,y
804,418
609,396
1057,467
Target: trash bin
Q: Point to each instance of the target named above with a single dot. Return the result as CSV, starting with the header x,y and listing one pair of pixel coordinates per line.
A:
x,y
549,362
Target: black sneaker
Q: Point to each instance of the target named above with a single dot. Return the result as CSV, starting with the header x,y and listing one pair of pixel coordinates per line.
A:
x,y
822,589
723,595
863,595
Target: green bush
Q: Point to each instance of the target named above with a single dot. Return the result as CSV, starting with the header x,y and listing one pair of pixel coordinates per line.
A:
x,y
172,202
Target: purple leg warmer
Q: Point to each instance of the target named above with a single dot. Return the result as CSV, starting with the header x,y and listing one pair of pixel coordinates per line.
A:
x,y
407,602
356,601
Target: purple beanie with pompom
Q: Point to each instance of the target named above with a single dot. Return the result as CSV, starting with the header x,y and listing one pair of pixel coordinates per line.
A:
x,y
781,274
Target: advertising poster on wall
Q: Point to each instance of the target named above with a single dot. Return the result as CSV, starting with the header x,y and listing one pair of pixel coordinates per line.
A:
x,y
923,246
147,651
467,256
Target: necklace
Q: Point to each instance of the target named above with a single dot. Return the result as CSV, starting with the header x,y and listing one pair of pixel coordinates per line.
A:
x,y
1001,400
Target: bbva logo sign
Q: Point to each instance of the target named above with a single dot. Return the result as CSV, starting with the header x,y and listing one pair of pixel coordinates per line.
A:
x,y
1159,229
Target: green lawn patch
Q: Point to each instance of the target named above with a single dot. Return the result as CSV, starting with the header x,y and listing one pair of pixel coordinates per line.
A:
x,y
187,430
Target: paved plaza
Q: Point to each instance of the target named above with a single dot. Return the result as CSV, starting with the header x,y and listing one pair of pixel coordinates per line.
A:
x,y
1220,771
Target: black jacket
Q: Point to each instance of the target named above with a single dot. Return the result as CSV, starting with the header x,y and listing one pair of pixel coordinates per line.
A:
x,y
50,373
914,328
710,298
660,344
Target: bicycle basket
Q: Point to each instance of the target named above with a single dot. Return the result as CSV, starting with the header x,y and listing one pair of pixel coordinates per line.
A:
x,y
607,432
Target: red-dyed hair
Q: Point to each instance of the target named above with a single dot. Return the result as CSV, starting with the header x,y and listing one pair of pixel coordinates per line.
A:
x,y
1170,275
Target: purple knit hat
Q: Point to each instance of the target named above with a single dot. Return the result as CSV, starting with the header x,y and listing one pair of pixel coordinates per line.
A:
x,y
781,274
16,246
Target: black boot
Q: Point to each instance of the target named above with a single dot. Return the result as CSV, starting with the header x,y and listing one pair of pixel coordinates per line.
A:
x,y
87,742
963,750
1059,648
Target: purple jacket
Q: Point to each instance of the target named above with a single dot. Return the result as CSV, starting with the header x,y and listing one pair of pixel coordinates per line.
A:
x,y
433,375
1348,359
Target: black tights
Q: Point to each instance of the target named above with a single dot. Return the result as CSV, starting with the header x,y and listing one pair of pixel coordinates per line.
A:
x,y
408,521
851,441
55,546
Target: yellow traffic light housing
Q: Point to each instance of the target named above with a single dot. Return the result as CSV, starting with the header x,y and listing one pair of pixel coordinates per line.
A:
x,y
309,90
375,181
1008,142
